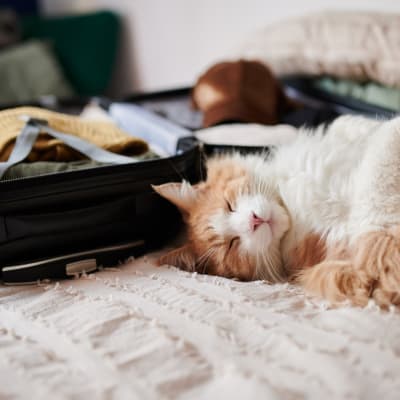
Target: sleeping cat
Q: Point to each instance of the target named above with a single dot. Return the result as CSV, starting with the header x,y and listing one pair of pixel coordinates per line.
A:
x,y
322,211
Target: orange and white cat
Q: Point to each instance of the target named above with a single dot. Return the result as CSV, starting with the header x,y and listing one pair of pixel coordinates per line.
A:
x,y
322,211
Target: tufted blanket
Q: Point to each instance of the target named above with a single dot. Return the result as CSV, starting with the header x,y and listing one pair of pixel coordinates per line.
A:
x,y
142,332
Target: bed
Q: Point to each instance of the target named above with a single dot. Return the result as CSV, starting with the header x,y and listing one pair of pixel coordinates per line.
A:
x,y
148,332
138,331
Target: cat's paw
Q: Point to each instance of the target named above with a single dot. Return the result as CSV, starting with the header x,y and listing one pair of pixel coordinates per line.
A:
x,y
335,281
371,270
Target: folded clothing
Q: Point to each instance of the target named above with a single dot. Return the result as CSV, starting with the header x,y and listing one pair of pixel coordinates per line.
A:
x,y
244,91
26,170
29,70
103,134
369,92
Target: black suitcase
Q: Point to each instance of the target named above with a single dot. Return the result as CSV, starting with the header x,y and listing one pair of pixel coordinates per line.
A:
x,y
58,225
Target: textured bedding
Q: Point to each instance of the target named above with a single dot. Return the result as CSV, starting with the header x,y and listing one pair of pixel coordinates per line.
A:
x,y
138,331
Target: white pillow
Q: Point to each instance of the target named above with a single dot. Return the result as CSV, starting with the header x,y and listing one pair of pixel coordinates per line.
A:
x,y
357,45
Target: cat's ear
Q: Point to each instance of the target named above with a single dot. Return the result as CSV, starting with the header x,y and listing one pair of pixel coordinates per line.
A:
x,y
183,195
183,258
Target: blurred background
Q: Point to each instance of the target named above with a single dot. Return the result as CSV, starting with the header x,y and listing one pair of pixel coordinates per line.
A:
x,y
147,45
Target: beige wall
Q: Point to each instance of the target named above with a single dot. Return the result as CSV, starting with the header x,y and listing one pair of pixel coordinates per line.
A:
x,y
167,43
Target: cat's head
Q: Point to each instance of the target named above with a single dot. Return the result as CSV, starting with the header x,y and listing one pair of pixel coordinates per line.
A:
x,y
234,224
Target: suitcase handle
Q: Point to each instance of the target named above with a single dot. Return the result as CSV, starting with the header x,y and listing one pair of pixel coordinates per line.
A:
x,y
27,138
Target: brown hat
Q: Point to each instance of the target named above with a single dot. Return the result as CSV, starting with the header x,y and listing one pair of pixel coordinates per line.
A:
x,y
245,91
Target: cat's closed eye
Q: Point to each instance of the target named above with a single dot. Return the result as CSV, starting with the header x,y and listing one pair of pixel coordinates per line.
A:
x,y
229,205
232,242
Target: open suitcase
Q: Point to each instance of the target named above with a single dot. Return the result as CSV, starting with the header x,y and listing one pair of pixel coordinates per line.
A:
x,y
85,219
81,220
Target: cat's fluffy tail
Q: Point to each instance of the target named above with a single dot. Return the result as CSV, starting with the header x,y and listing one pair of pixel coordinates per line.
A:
x,y
371,270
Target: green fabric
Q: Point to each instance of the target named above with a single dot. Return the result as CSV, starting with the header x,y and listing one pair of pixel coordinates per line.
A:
x,y
26,170
370,92
30,70
85,44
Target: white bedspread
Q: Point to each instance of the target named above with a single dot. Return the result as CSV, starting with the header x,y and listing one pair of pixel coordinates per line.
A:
x,y
144,332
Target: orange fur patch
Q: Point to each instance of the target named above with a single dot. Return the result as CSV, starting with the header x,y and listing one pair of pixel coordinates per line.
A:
x,y
213,253
369,269
309,252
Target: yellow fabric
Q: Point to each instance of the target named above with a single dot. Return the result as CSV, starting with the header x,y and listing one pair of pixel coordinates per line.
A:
x,y
100,133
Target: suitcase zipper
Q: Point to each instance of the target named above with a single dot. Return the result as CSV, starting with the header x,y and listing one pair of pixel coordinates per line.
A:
x,y
69,265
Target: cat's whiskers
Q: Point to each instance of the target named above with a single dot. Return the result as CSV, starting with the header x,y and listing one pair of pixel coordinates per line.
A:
x,y
269,265
203,259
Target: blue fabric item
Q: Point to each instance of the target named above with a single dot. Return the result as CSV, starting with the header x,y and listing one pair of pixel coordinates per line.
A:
x,y
27,138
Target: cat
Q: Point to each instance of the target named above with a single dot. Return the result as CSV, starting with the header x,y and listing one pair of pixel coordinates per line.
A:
x,y
322,211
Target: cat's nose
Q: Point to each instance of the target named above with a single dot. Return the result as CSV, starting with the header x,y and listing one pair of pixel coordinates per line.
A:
x,y
256,221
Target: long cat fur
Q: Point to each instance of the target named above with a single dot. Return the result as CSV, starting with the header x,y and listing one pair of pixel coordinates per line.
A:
x,y
332,202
